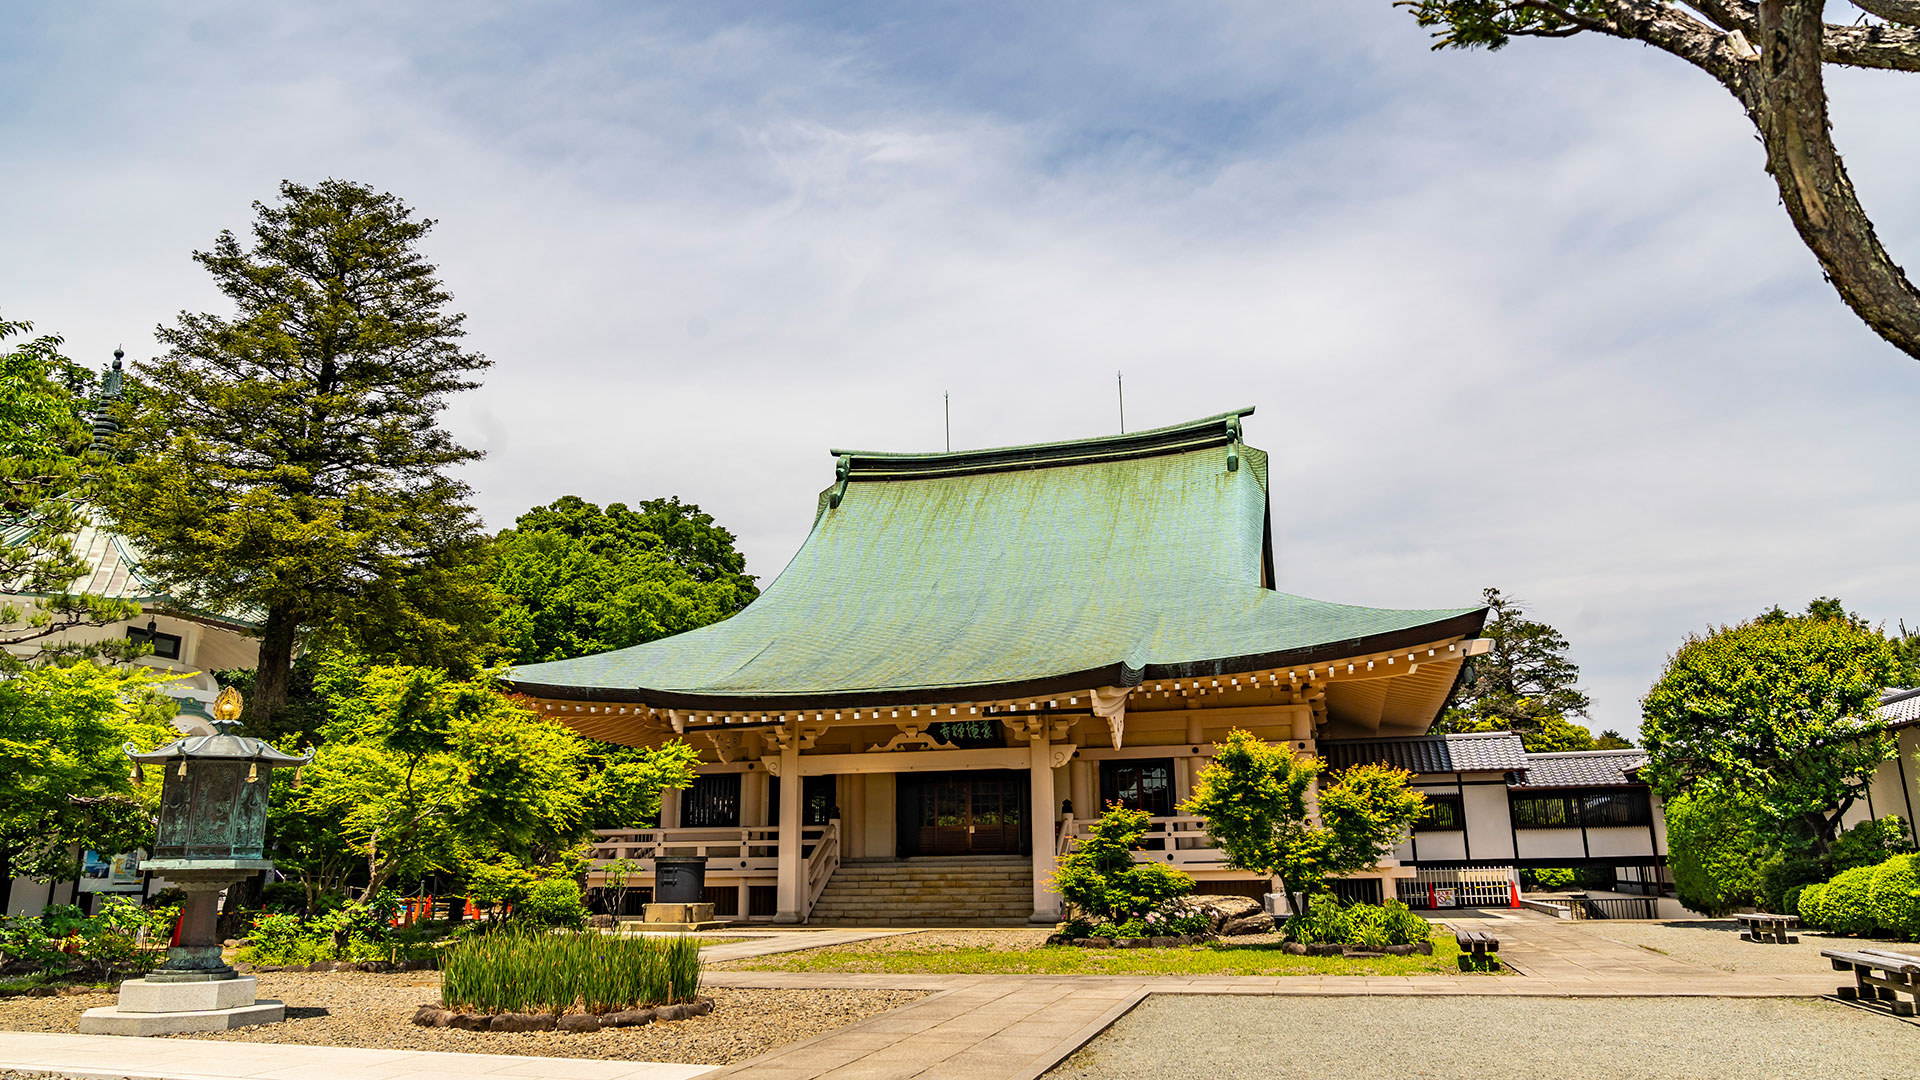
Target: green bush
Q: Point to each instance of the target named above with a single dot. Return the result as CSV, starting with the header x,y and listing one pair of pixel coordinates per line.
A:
x,y
1812,905
62,943
1716,844
1791,900
1848,907
1895,896
1868,844
1554,879
1792,864
1368,926
555,902
595,973
1102,884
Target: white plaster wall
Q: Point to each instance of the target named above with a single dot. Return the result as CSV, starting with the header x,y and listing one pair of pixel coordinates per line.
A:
x,y
1550,844
1437,845
1489,827
1625,840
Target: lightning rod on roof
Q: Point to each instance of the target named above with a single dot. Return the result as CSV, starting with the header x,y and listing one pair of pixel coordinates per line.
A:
x,y
1120,387
946,400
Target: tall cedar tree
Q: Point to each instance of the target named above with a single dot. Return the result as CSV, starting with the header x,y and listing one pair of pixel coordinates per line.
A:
x,y
289,459
43,475
1525,684
1772,56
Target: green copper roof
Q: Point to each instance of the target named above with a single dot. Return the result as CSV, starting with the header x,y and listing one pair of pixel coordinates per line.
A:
x,y
1026,569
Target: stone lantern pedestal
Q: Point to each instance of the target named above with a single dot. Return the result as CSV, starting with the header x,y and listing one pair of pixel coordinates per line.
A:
x,y
194,990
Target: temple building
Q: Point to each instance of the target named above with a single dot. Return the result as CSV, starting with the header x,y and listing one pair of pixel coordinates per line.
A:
x,y
974,652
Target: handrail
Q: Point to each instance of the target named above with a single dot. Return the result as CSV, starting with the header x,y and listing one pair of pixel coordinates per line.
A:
x,y
1178,840
754,849
821,864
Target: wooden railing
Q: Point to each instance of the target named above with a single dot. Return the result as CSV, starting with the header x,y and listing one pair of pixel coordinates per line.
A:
x,y
1180,841
750,855
821,863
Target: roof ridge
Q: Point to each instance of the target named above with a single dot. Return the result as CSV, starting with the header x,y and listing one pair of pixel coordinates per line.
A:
x,y
1218,430
1584,753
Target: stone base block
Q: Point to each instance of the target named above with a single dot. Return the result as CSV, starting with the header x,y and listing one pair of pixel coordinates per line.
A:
x,y
113,1020
147,996
677,913
664,927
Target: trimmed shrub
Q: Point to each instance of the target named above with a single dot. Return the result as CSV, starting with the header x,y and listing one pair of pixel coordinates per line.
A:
x,y
1812,905
557,973
555,902
1716,846
1554,879
1849,906
1895,896
1792,902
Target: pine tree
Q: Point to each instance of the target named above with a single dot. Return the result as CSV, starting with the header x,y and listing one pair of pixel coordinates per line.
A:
x,y
288,460
1525,684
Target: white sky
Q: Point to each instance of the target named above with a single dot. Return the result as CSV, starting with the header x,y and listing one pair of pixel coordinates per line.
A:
x,y
1532,318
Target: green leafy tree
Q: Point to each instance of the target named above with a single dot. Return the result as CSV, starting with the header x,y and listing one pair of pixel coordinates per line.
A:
x,y
575,579
1100,880
1525,683
1256,801
420,772
1782,708
1772,57
63,778
43,484
289,459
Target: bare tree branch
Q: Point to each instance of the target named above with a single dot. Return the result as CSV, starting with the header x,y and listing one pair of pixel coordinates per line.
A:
x,y
1889,48
1727,14
1894,11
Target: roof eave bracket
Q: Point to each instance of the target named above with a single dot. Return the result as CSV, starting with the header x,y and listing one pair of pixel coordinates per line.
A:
x,y
1233,448
842,473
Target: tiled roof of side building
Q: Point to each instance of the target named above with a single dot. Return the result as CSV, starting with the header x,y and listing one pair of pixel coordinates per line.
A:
x,y
1579,768
114,572
1488,751
1901,708
1103,561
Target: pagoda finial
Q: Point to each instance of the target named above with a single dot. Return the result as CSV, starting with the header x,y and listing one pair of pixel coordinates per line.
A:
x,y
105,427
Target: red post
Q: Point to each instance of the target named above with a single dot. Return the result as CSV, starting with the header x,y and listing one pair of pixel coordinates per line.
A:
x,y
1433,898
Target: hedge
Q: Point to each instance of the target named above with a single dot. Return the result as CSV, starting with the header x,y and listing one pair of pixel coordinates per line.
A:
x,y
1812,906
1848,907
1895,896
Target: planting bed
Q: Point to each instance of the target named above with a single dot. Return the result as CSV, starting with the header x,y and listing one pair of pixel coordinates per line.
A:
x,y
377,1011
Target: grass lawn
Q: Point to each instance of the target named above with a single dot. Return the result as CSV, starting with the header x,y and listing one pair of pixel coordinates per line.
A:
x,y
1259,956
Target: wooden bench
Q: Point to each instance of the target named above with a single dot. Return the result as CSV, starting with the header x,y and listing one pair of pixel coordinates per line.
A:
x,y
1878,975
1476,950
1776,929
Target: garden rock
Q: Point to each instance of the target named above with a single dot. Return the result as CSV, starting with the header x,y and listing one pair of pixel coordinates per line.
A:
x,y
1294,948
629,1018
1219,910
1257,923
521,1022
602,922
579,1023
469,1021
1331,948
685,1010
1399,950
426,1015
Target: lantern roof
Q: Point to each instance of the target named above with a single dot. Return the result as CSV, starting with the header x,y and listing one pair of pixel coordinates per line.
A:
x,y
222,747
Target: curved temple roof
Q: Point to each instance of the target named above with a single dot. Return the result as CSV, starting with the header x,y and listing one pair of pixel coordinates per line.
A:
x,y
1065,565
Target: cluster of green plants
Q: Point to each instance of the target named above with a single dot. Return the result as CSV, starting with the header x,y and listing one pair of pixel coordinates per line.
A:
x,y
1866,901
1327,921
1108,894
62,944
357,933
557,973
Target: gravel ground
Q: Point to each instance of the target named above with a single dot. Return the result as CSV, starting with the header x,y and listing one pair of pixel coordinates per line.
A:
x,y
1225,1038
361,1009
1717,943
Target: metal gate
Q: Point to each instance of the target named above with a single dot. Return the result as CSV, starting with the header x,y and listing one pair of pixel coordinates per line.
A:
x,y
1461,887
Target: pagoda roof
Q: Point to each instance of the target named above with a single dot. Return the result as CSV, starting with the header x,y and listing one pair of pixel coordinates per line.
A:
x,y
1020,570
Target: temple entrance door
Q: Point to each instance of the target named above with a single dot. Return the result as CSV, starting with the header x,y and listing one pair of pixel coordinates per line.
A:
x,y
963,813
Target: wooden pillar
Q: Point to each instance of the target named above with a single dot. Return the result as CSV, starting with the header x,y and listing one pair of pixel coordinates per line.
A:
x,y
853,817
753,797
670,808
791,869
1044,812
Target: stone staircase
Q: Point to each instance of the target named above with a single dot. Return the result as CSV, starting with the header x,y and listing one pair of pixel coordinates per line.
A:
x,y
972,890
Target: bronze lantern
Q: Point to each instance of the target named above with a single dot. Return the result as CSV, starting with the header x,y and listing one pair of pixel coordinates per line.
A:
x,y
212,829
